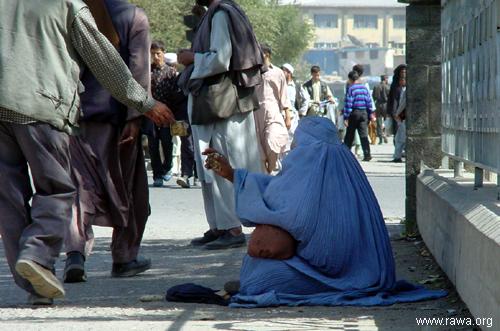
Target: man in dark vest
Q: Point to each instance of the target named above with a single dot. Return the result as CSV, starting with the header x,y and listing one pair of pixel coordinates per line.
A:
x,y
224,44
318,91
48,39
107,160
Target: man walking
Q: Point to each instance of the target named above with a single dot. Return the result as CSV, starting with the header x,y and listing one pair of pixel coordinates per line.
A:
x,y
160,136
50,41
273,119
380,96
357,113
107,160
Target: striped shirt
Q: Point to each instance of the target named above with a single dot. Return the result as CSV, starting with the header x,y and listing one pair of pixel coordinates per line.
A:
x,y
357,97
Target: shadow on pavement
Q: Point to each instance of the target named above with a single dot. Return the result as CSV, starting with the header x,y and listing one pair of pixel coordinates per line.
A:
x,y
105,299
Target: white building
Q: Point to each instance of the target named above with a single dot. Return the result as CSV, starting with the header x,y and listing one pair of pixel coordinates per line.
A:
x,y
376,27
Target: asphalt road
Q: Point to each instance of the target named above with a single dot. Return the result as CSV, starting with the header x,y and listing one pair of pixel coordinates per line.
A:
x,y
105,303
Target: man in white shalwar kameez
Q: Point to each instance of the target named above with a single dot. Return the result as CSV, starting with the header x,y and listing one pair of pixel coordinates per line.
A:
x,y
273,119
299,100
235,136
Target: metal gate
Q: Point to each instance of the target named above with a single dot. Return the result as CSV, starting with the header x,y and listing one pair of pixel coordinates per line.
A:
x,y
471,83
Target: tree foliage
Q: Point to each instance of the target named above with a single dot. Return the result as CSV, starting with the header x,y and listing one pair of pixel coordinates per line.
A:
x,y
166,21
281,27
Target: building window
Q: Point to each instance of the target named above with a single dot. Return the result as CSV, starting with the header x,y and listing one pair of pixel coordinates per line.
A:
x,y
326,45
367,69
326,21
373,54
399,21
359,54
365,22
396,45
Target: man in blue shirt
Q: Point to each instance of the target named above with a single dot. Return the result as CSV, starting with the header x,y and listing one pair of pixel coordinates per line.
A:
x,y
357,112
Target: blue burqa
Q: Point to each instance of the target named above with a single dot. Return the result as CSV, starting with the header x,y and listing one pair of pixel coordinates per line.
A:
x,y
323,199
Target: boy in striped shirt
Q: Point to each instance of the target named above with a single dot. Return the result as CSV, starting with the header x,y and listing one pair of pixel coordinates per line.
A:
x,y
357,113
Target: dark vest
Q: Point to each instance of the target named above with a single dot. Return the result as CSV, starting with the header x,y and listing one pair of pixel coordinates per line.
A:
x,y
247,58
39,67
323,89
97,103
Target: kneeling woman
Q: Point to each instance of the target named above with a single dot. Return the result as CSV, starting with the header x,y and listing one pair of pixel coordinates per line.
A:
x,y
322,198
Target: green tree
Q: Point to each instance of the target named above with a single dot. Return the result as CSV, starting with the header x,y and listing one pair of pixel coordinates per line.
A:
x,y
281,27
166,21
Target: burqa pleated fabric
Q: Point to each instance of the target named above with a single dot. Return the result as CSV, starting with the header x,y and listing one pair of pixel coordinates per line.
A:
x,y
324,200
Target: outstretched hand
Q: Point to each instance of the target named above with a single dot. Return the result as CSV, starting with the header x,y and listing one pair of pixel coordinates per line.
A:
x,y
161,114
218,164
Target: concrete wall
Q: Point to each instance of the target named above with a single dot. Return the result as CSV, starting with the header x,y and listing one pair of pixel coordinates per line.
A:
x,y
423,109
461,228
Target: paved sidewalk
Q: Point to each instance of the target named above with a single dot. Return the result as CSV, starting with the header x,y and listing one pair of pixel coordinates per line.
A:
x,y
104,303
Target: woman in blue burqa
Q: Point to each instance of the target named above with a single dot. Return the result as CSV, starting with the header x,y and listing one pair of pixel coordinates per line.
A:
x,y
323,199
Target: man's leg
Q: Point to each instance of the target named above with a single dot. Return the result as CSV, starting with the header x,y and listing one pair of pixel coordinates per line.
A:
x,y
209,204
350,131
260,126
187,156
40,241
187,162
227,223
399,141
223,190
78,240
167,148
394,129
78,243
362,126
126,241
79,236
154,153
14,199
380,132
